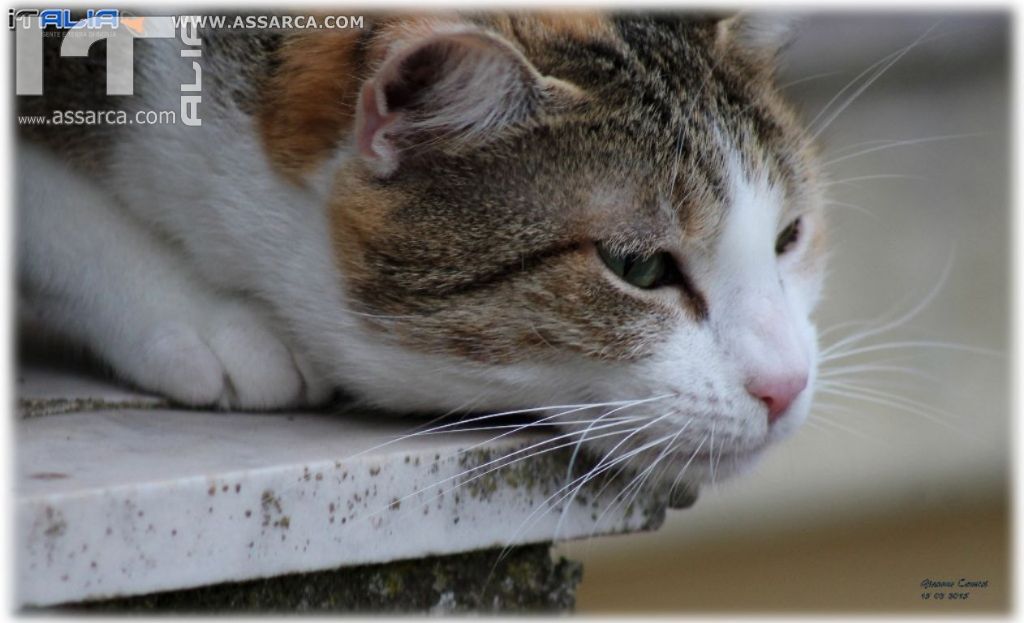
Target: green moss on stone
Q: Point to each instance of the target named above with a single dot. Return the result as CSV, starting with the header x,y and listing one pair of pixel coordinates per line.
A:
x,y
486,472
520,579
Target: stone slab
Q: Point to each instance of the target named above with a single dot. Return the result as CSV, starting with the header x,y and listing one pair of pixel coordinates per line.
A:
x,y
130,501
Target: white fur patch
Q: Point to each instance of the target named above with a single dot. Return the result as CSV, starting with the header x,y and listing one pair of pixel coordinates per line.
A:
x,y
746,249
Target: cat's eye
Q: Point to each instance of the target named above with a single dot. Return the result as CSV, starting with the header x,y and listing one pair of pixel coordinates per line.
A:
x,y
643,272
788,237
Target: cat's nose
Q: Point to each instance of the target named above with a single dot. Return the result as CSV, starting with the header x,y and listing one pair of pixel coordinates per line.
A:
x,y
777,392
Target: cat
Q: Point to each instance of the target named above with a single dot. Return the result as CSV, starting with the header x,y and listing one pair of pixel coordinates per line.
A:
x,y
612,221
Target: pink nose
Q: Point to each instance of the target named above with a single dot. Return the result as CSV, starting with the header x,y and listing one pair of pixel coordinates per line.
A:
x,y
777,393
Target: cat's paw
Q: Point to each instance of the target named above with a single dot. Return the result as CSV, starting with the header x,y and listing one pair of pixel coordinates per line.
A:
x,y
233,362
176,362
259,370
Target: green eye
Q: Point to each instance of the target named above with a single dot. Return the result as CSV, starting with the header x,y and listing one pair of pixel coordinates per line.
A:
x,y
646,273
788,237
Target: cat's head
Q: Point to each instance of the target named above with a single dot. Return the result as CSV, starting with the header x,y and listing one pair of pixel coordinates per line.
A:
x,y
560,211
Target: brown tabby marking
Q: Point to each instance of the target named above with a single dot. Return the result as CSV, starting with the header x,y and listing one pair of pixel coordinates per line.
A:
x,y
310,101
578,26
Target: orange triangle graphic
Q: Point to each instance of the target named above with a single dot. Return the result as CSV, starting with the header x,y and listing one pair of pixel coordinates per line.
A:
x,y
136,24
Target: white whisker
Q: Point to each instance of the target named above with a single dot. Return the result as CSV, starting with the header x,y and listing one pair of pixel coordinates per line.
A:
x,y
853,388
903,143
547,505
906,317
821,420
875,176
974,350
668,448
502,464
894,404
530,425
850,206
679,476
711,454
818,76
867,84
844,371
572,409
572,463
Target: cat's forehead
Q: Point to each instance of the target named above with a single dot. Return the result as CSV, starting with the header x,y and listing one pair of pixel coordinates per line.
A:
x,y
688,203
647,187
672,123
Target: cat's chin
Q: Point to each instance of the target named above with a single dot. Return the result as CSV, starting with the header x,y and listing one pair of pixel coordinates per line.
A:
x,y
713,468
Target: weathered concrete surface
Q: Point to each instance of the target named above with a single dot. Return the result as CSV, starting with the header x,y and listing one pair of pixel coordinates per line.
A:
x,y
522,579
129,500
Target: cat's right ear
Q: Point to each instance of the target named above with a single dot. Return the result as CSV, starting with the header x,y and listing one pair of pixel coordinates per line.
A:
x,y
447,88
757,36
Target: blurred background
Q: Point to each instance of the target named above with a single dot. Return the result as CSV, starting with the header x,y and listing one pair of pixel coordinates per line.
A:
x,y
902,473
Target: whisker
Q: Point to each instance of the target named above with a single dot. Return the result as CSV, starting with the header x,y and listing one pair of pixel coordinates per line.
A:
x,y
670,446
547,505
572,461
557,415
869,368
849,85
876,176
818,76
974,350
893,404
622,441
851,206
906,317
503,464
635,484
531,425
896,397
842,325
573,409
379,316
718,461
615,502
655,462
814,423
711,454
679,476
867,83
852,147
902,143
822,420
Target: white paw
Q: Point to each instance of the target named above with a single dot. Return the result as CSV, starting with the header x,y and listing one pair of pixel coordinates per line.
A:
x,y
232,360
177,363
259,371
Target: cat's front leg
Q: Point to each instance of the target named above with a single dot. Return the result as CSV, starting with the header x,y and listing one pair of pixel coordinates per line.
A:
x,y
89,271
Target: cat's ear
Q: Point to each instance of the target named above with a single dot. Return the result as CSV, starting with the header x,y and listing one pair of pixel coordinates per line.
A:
x,y
447,87
757,36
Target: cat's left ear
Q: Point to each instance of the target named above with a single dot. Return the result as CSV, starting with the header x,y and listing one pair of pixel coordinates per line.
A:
x,y
757,36
447,87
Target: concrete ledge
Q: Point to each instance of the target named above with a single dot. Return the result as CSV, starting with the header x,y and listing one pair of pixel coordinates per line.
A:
x,y
522,579
123,501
